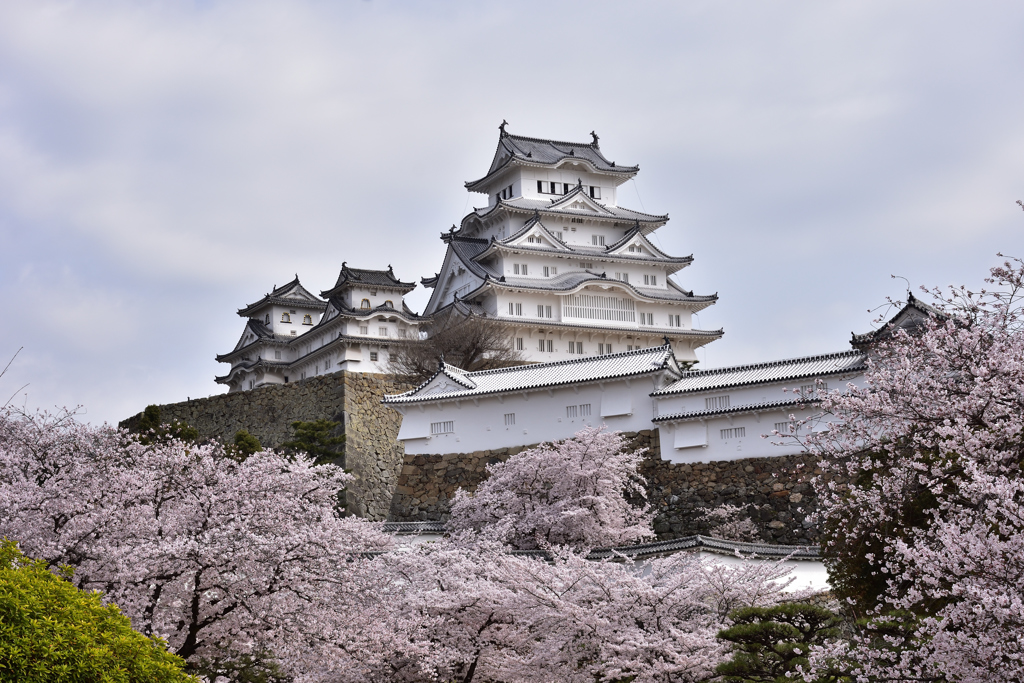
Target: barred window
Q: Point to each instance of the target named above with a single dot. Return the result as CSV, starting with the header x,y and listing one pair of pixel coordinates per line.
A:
x,y
570,411
510,419
733,433
442,427
598,307
716,402
584,410
783,427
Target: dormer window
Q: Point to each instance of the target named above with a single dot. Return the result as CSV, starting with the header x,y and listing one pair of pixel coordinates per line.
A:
x,y
633,249
286,318
389,303
365,304
533,239
307,319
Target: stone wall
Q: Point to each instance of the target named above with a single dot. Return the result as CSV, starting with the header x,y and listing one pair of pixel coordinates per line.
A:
x,y
371,452
776,491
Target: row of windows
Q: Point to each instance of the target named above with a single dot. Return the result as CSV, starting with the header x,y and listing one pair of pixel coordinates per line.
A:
x,y
550,187
575,347
287,318
582,410
571,412
524,269
382,331
365,304
504,194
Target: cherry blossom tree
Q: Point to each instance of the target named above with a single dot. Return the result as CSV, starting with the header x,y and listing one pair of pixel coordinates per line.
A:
x,y
223,559
579,492
922,500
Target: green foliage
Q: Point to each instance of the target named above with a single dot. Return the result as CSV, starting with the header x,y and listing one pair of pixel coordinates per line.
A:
x,y
314,438
245,445
151,429
852,555
51,632
771,642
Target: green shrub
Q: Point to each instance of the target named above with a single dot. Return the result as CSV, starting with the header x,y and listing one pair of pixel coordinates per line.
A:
x,y
52,632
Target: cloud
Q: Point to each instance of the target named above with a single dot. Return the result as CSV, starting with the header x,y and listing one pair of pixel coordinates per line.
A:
x,y
166,163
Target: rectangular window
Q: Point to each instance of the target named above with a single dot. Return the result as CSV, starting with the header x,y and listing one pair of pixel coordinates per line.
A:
x,y
519,344
782,427
579,347
510,419
584,410
597,240
603,349
401,332
716,402
277,355
651,280
327,363
558,234
595,192
733,433
373,356
633,248
599,307
622,277
543,311
809,389
547,271
540,344
673,320
515,309
515,269
382,331
364,329
586,265
442,427
293,333
570,412
646,318
540,187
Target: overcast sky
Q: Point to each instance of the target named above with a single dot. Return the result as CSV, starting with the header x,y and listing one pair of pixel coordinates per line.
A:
x,y
164,163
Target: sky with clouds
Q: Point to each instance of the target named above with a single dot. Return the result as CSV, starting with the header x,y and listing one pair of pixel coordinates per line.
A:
x,y
164,163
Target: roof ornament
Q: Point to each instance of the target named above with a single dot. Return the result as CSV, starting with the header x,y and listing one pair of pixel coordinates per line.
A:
x,y
390,270
668,342
579,182
594,135
440,363
502,127
536,215
572,152
636,226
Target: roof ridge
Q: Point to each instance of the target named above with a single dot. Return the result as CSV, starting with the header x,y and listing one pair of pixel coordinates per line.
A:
x,y
768,364
621,354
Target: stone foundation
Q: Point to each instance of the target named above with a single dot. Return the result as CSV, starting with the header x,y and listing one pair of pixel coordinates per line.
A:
x,y
371,452
776,490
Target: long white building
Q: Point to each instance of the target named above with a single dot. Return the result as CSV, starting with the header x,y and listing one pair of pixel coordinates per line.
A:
x,y
701,416
555,258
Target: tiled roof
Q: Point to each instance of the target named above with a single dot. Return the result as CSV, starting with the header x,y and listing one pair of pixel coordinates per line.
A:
x,y
344,309
845,362
516,148
367,278
564,282
540,375
291,294
642,551
908,318
544,206
750,408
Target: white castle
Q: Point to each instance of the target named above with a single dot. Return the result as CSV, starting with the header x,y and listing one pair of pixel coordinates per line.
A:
x,y
552,256
555,258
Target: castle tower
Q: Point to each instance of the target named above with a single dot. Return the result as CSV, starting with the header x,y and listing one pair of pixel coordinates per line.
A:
x,y
556,259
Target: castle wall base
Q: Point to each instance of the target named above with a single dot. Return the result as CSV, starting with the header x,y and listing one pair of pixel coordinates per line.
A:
x,y
372,452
